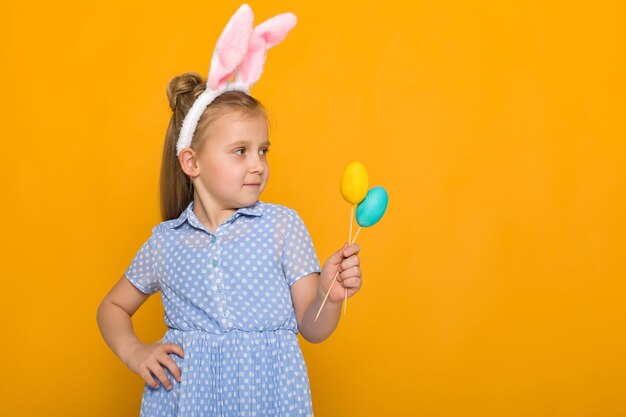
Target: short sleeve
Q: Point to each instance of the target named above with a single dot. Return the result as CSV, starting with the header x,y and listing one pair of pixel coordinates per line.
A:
x,y
299,257
141,272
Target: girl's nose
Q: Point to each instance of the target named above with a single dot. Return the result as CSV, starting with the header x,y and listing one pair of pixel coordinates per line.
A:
x,y
256,163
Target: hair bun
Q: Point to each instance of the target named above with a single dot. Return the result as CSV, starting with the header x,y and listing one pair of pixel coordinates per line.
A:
x,y
183,90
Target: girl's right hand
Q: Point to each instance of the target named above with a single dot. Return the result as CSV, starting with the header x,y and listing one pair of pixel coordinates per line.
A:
x,y
143,359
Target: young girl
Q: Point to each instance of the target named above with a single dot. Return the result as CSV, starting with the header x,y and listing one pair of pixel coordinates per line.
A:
x,y
239,277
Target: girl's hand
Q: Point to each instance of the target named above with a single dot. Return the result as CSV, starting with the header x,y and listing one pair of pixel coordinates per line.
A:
x,y
143,359
347,260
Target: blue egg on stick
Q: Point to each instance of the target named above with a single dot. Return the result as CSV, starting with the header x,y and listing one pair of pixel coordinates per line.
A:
x,y
372,208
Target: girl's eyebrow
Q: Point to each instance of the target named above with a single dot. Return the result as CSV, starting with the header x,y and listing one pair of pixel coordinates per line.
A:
x,y
244,142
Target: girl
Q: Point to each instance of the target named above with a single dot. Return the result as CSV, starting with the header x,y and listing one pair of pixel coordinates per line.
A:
x,y
239,277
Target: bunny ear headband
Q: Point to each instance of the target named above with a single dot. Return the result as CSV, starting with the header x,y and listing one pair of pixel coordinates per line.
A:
x,y
240,50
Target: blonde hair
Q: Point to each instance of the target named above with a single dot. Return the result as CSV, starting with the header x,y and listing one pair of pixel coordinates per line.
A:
x,y
176,188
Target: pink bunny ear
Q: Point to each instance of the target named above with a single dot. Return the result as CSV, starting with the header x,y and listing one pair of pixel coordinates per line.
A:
x,y
265,35
232,47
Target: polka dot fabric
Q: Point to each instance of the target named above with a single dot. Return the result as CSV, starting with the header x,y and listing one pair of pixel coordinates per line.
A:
x,y
227,302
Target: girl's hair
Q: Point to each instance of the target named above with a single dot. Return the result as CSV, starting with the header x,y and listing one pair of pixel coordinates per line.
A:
x,y
176,187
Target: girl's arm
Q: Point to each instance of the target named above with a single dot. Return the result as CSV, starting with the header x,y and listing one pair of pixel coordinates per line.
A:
x,y
114,319
308,294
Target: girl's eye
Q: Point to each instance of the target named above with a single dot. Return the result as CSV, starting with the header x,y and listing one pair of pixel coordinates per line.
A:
x,y
242,151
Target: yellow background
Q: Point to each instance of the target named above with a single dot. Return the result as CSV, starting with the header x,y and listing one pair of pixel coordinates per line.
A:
x,y
493,286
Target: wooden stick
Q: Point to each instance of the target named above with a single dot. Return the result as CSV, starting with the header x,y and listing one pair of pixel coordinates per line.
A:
x,y
345,299
327,292
351,216
333,282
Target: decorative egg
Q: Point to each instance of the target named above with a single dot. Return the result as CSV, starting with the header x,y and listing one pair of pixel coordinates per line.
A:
x,y
372,208
354,183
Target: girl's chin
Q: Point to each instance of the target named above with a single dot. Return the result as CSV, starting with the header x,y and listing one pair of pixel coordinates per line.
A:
x,y
249,201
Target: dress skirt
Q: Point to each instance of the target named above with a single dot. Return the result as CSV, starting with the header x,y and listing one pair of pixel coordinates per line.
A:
x,y
233,374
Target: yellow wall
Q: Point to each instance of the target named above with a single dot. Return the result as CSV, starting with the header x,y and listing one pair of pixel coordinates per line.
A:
x,y
494,285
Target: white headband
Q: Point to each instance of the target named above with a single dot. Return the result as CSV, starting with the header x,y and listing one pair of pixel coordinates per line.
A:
x,y
241,50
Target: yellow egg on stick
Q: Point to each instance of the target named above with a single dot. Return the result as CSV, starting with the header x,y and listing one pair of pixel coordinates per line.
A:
x,y
354,186
354,183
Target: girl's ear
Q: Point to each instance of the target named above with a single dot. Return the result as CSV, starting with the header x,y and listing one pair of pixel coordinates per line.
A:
x,y
232,47
187,160
265,35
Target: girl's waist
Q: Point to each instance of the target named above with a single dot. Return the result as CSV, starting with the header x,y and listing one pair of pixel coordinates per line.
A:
x,y
230,333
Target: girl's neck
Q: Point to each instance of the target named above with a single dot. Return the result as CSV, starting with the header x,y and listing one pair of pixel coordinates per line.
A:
x,y
209,214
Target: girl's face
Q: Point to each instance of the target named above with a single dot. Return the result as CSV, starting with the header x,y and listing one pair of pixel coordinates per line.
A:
x,y
232,163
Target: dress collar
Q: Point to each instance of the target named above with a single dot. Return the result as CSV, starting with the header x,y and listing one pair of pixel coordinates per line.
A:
x,y
255,209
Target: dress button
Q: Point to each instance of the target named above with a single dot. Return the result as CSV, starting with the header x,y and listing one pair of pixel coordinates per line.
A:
x,y
219,290
215,263
213,238
225,314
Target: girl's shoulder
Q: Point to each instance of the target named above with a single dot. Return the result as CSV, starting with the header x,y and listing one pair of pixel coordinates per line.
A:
x,y
273,207
277,210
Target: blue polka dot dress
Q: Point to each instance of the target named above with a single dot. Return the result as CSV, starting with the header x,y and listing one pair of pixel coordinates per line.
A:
x,y
227,302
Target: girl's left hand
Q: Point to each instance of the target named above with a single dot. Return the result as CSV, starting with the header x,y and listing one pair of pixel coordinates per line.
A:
x,y
348,263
